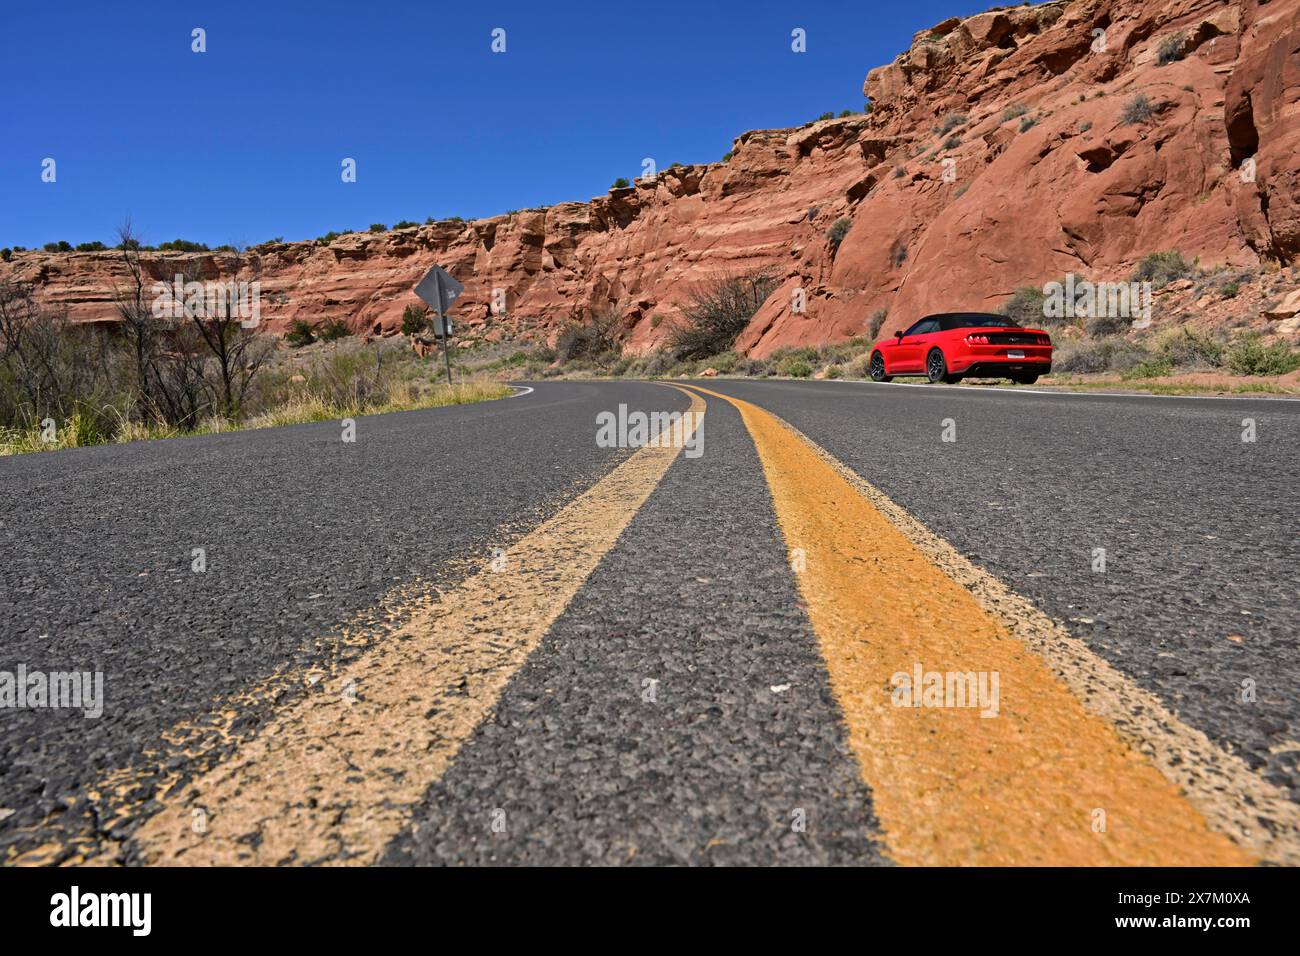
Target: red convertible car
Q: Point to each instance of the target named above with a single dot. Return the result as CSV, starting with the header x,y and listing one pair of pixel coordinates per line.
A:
x,y
955,345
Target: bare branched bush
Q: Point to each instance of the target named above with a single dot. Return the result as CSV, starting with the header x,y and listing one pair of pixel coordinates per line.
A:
x,y
192,364
237,351
718,312
167,365
51,367
593,340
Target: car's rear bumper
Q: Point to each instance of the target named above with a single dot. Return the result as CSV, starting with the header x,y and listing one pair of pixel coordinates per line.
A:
x,y
998,368
992,358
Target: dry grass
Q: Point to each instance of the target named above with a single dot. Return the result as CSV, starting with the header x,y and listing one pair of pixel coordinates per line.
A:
x,y
305,404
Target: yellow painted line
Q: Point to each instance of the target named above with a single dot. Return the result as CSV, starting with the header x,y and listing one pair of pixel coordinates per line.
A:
x,y
1044,782
334,776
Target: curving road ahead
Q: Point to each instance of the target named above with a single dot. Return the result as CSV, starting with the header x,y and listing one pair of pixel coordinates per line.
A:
x,y
474,635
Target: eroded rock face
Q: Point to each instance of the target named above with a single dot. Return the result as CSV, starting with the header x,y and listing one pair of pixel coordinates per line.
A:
x,y
940,220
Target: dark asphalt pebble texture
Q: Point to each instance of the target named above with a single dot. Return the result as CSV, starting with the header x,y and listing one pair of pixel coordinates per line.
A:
x,y
578,767
1200,529
301,532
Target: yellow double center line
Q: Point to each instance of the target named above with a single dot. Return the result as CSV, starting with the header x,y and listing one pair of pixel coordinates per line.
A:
x,y
1044,782
335,776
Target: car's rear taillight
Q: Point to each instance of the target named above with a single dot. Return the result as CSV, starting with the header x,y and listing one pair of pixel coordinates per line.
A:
x,y
1044,340
977,340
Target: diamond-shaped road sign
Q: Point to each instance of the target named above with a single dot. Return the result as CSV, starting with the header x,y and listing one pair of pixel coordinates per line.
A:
x,y
439,289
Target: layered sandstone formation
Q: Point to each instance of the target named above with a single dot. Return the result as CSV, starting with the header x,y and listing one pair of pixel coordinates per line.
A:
x,y
936,224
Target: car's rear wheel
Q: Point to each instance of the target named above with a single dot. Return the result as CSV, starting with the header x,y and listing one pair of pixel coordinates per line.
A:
x,y
1024,379
877,368
936,368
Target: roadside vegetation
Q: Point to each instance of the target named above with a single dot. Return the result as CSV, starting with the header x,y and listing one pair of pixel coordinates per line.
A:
x,y
1089,352
1110,346
67,385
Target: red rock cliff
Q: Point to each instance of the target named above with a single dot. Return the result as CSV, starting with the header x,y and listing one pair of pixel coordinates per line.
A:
x,y
1077,189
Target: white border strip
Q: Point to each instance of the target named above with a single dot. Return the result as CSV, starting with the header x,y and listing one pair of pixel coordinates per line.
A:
x,y
993,390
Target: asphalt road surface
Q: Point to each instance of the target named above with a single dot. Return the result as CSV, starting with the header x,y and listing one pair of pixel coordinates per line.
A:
x,y
476,635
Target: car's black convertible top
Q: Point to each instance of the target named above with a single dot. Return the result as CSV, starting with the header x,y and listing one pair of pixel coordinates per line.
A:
x,y
971,320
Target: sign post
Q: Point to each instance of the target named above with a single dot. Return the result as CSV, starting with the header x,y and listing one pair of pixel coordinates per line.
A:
x,y
440,290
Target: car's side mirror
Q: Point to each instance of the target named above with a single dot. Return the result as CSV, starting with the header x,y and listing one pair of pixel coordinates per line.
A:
x,y
899,333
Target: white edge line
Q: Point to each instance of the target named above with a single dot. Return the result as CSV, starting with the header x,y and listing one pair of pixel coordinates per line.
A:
x,y
992,390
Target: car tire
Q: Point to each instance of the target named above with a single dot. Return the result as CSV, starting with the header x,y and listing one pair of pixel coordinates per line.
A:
x,y
936,368
1024,379
877,368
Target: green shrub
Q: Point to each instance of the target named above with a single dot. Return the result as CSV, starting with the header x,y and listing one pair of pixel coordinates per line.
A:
x,y
844,113
300,333
1098,355
1013,111
798,369
950,123
834,371
415,319
1028,123
656,320
6,254
332,329
620,183
1162,268
952,142
876,322
60,246
405,224
1249,356
1229,290
718,312
1171,48
328,237
655,363
378,227
91,246
1025,307
838,230
1101,326
1138,110
1085,126
726,157
826,116
899,172
1150,368
1189,348
183,245
725,363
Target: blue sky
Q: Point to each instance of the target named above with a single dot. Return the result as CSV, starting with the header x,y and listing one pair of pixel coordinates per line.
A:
x,y
244,142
